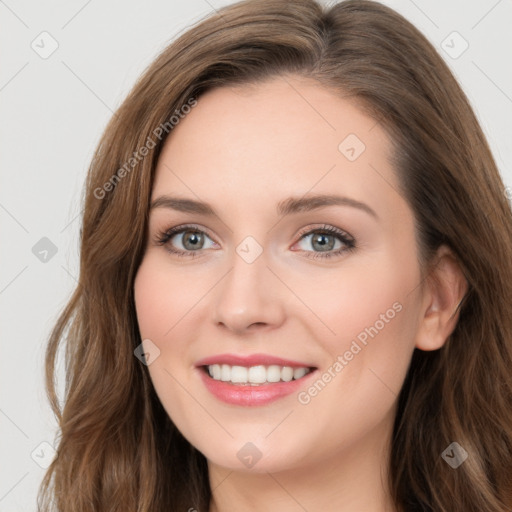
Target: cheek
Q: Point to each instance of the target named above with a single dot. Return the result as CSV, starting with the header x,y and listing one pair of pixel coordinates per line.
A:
x,y
159,308
373,316
167,303
373,312
149,306
162,298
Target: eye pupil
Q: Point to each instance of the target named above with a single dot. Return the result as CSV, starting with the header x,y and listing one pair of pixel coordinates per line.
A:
x,y
193,237
323,244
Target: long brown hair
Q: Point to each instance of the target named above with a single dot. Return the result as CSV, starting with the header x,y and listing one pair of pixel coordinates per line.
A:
x,y
117,449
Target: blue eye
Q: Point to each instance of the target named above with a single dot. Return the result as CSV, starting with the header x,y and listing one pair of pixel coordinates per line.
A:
x,y
193,239
325,238
192,242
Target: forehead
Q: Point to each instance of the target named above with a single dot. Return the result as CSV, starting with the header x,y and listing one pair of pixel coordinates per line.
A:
x,y
286,136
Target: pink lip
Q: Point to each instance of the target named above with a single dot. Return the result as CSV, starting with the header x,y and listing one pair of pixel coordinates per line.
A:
x,y
252,360
245,394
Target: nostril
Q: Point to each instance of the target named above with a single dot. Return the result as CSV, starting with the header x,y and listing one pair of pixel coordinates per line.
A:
x,y
257,324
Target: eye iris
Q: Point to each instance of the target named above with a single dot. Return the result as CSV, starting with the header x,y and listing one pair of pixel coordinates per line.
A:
x,y
324,246
194,237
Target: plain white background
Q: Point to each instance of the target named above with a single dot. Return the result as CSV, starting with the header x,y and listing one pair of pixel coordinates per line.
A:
x,y
54,109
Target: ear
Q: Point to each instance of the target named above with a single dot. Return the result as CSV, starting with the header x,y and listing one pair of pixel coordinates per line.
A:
x,y
445,289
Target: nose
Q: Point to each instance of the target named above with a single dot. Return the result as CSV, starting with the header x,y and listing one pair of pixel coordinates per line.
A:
x,y
249,298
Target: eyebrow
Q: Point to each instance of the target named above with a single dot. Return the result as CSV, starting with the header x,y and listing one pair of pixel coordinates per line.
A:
x,y
287,207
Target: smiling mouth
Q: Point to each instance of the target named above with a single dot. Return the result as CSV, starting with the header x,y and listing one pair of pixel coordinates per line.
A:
x,y
259,375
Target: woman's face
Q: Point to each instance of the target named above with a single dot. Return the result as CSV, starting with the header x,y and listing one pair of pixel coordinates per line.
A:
x,y
259,292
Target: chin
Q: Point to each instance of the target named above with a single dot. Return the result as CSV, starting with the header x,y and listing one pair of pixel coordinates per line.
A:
x,y
253,454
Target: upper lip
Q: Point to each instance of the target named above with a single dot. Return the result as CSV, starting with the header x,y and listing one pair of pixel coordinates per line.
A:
x,y
250,360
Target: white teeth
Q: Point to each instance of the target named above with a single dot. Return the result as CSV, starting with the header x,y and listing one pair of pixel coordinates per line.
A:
x,y
238,374
225,372
217,372
255,375
287,373
274,373
298,373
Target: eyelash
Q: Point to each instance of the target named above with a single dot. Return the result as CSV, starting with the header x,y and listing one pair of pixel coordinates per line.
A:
x,y
163,237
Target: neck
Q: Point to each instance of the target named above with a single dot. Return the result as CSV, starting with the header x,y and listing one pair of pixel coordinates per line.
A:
x,y
350,480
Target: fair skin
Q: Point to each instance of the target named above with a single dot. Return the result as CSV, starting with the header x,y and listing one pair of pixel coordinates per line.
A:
x,y
243,150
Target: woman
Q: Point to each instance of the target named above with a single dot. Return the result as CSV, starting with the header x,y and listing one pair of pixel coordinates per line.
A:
x,y
295,280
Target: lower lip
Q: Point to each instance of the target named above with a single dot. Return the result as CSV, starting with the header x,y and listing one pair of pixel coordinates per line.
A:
x,y
239,394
